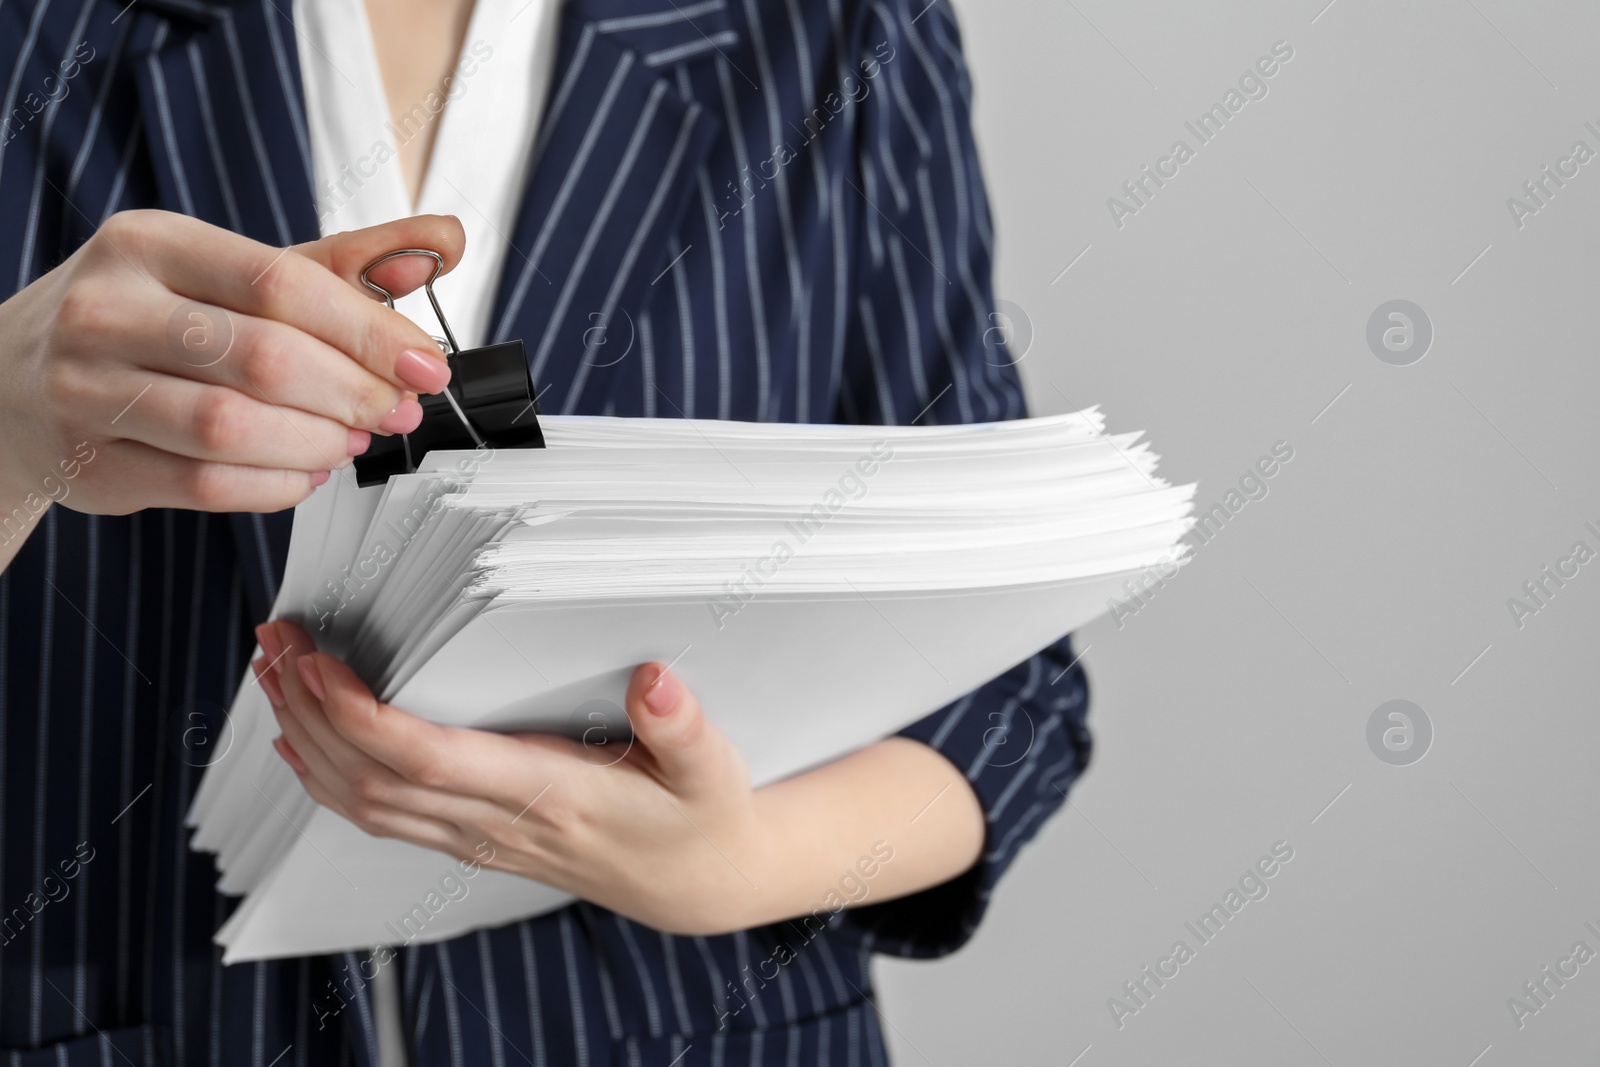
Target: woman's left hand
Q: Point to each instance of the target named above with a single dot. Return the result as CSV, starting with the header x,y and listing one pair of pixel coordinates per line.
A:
x,y
671,835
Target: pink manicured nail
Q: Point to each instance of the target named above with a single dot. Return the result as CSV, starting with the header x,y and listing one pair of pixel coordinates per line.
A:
x,y
662,696
269,683
312,677
267,638
423,372
320,478
360,441
406,416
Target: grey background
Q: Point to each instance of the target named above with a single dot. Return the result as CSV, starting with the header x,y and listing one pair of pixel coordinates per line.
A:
x,y
1230,712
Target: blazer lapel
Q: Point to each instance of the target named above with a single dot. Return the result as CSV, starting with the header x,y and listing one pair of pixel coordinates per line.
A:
x,y
225,121
618,152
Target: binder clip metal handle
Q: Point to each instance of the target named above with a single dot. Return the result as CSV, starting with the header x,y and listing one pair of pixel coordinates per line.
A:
x,y
489,403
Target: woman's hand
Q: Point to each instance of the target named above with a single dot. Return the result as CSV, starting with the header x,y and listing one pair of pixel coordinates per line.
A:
x,y
671,834
667,835
170,363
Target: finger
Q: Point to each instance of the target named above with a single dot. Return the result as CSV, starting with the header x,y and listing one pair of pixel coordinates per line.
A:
x,y
209,264
669,724
262,358
129,476
273,670
281,745
350,772
270,361
220,425
507,771
267,679
433,819
329,784
347,254
381,820
344,770
311,765
310,754
285,688
307,758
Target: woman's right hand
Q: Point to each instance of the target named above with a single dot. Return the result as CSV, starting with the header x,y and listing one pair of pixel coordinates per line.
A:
x,y
171,363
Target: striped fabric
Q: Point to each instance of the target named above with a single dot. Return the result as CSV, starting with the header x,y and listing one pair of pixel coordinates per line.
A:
x,y
747,209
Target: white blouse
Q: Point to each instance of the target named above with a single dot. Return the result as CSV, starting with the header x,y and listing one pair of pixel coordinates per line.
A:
x,y
488,114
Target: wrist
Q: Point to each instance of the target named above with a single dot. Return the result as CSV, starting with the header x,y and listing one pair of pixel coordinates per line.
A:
x,y
22,502
755,869
17,480
20,511
788,854
13,481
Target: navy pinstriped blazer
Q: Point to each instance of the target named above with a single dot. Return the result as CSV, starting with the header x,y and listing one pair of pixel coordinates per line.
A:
x,y
779,204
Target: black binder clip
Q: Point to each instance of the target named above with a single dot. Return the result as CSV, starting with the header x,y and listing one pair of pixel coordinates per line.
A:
x,y
489,403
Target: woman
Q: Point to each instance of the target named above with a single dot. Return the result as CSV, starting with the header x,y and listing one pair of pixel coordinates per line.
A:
x,y
765,210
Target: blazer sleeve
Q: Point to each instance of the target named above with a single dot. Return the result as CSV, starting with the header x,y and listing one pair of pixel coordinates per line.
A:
x,y
926,344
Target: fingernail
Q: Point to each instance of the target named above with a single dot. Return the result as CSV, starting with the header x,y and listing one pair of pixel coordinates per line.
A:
x,y
290,756
662,696
269,683
320,478
421,371
312,677
360,441
282,661
267,638
406,416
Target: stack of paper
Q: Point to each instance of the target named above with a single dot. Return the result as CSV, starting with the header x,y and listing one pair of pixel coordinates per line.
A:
x,y
892,568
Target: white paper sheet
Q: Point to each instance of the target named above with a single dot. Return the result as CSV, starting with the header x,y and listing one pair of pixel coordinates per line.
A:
x,y
506,592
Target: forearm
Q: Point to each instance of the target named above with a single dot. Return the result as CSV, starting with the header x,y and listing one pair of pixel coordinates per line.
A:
x,y
826,834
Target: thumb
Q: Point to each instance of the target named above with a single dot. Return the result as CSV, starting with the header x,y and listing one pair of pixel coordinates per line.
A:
x,y
691,754
347,254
